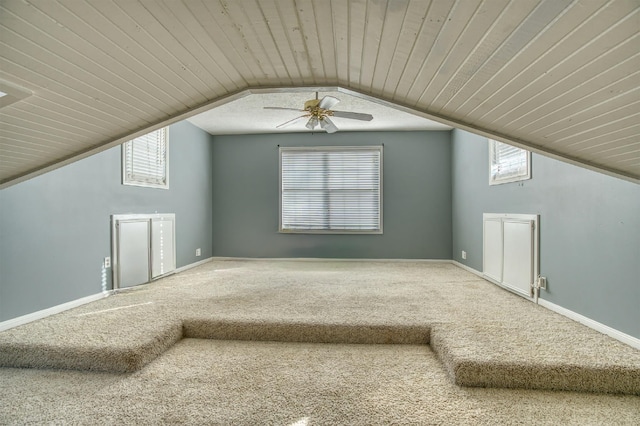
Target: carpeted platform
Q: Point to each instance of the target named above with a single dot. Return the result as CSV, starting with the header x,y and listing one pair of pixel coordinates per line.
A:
x,y
483,335
222,382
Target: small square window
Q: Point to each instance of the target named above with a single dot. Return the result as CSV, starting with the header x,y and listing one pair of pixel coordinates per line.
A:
x,y
508,163
145,160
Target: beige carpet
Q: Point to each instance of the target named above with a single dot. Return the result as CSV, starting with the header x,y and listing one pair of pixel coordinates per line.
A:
x,y
475,330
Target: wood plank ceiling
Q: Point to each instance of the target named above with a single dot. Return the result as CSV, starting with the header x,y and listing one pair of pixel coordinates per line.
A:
x,y
557,76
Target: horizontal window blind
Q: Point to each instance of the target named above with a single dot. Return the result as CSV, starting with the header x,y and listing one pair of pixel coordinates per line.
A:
x,y
145,160
508,163
331,189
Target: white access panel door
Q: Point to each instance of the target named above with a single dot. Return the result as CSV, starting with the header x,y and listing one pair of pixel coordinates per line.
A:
x,y
492,250
518,255
162,247
133,252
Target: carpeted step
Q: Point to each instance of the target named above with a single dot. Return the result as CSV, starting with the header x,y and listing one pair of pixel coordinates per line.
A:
x,y
306,332
497,357
104,357
475,356
132,348
487,355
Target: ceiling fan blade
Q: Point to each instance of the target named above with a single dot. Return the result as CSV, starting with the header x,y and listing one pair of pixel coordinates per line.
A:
x,y
328,102
353,115
287,123
286,109
312,123
328,125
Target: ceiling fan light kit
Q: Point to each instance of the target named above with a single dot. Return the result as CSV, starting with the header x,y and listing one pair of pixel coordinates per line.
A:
x,y
319,110
328,125
312,123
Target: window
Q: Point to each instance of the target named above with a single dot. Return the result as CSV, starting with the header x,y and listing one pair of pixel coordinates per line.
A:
x,y
508,163
145,160
331,190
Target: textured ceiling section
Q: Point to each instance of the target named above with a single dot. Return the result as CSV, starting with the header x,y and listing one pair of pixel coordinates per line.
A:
x,y
248,114
558,76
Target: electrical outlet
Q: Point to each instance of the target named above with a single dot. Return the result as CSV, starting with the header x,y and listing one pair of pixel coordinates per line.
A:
x,y
107,262
198,252
464,254
542,282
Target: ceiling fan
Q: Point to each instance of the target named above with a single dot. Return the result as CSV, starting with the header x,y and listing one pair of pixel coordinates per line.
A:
x,y
318,111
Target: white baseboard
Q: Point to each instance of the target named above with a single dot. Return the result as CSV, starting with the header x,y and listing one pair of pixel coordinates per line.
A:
x,y
468,269
605,329
192,265
325,259
15,322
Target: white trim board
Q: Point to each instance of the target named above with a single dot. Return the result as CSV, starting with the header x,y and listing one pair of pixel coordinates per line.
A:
x,y
323,259
595,325
191,265
602,328
468,269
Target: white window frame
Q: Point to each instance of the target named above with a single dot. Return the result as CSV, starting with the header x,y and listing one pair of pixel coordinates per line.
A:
x,y
379,227
154,168
518,170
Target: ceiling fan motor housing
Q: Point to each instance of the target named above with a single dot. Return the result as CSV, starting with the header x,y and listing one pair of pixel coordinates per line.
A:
x,y
311,104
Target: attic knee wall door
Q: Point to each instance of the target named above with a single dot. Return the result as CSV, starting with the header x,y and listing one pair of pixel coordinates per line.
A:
x,y
143,248
510,252
132,252
492,250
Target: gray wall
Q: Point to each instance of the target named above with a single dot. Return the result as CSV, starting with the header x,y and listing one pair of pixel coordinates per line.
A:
x,y
55,228
589,229
417,198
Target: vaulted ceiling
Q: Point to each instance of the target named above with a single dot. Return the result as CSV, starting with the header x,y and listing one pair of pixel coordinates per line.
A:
x,y
560,77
